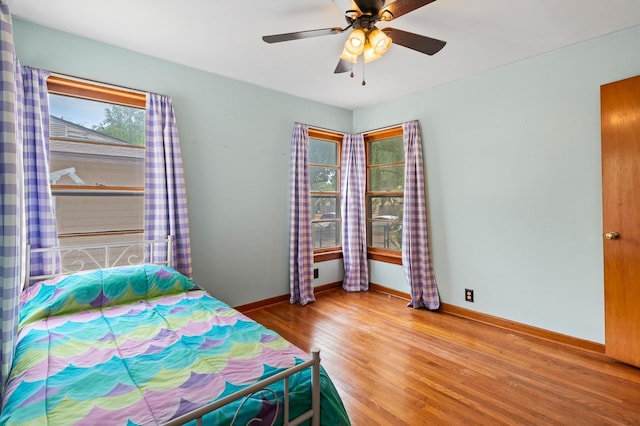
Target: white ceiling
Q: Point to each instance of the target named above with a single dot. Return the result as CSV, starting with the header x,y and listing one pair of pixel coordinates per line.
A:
x,y
225,38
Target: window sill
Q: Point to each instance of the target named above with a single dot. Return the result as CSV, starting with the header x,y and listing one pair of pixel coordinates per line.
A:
x,y
387,257
323,256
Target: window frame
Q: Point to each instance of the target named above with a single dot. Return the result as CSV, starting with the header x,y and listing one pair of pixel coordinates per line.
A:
x,y
328,253
89,90
376,253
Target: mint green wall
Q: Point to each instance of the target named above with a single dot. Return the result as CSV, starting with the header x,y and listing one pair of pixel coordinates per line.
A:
x,y
513,171
235,141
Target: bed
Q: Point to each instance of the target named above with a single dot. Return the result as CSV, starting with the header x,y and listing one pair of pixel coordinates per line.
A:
x,y
143,344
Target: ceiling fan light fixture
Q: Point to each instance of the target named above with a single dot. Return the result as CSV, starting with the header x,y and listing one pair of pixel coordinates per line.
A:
x,y
346,56
379,41
355,43
370,54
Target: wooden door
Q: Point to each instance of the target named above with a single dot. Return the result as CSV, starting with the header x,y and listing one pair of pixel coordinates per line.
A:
x,y
620,125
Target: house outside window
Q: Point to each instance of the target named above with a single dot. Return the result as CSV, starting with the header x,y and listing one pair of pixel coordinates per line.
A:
x,y
96,170
324,180
385,194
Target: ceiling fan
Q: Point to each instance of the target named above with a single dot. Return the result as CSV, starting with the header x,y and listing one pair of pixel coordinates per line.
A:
x,y
365,38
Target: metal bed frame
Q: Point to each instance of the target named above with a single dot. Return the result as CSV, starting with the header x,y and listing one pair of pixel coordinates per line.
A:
x,y
313,413
72,259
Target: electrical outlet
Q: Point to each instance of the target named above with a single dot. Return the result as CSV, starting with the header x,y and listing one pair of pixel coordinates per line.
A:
x,y
316,273
468,295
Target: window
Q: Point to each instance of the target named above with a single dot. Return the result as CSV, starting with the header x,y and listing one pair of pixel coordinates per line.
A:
x,y
96,170
385,194
324,181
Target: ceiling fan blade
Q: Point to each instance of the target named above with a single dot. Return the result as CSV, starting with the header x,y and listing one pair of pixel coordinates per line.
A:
x,y
402,7
343,66
427,45
276,38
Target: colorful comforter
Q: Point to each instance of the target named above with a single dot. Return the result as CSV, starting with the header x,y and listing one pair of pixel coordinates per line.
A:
x,y
142,345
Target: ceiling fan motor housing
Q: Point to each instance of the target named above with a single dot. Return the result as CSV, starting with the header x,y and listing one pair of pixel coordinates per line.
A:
x,y
365,22
371,7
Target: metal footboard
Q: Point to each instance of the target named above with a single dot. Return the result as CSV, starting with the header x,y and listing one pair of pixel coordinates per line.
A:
x,y
313,413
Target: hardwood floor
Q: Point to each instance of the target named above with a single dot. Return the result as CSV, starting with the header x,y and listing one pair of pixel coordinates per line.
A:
x,y
394,365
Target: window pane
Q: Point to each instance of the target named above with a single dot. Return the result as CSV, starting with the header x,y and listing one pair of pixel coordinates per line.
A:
x,y
385,235
75,241
385,175
386,151
385,222
326,235
83,119
322,152
98,213
386,178
326,224
98,168
323,179
325,207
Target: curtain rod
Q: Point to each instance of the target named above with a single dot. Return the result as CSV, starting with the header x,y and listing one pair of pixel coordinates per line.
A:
x,y
98,83
379,129
323,128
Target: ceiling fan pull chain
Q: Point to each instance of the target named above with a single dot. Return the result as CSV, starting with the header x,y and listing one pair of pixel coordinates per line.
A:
x,y
352,74
363,82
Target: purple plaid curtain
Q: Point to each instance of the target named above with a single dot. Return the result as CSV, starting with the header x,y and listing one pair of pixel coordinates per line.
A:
x,y
10,199
165,195
33,121
300,243
354,225
416,251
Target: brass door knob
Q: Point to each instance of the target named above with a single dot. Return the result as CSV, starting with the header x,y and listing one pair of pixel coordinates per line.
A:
x,y
612,235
